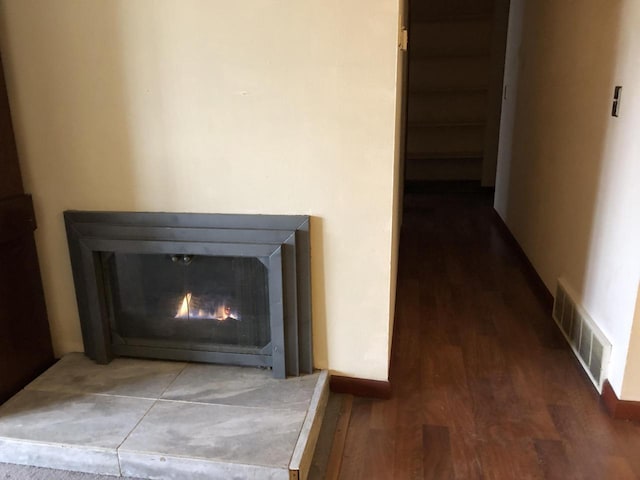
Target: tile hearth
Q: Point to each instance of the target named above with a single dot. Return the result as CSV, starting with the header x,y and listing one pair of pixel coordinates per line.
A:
x,y
161,420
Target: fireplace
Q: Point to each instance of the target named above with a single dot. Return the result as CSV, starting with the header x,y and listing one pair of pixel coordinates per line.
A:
x,y
231,289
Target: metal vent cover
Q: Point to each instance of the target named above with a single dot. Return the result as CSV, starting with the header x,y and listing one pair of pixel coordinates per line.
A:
x,y
589,344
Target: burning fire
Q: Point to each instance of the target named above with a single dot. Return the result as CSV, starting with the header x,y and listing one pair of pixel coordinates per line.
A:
x,y
183,311
189,309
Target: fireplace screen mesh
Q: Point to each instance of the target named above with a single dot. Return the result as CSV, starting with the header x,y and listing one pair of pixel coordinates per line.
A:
x,y
187,301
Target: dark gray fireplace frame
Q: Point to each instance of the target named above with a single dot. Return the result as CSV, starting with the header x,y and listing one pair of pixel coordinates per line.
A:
x,y
281,242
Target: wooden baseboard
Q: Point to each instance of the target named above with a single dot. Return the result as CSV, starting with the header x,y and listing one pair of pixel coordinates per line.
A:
x,y
619,409
535,282
360,387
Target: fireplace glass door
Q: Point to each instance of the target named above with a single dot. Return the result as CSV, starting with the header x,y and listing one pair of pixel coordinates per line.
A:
x,y
194,302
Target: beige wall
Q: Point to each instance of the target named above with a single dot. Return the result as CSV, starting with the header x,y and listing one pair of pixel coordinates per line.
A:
x,y
568,172
398,172
258,106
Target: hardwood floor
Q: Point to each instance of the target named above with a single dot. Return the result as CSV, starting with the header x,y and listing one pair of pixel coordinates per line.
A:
x,y
484,386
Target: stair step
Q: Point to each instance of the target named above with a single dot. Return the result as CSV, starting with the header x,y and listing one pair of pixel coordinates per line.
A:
x,y
439,91
447,141
423,15
460,38
486,17
454,156
451,124
444,141
452,55
452,73
444,169
447,107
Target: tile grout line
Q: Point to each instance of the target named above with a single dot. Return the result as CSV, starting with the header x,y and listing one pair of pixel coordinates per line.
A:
x,y
151,400
201,402
144,416
231,405
174,380
129,434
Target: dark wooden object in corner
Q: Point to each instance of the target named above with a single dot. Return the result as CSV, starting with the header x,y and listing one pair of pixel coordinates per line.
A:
x,y
360,387
25,341
619,409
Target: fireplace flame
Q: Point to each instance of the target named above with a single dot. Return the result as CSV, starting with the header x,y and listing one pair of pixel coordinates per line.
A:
x,y
189,307
183,310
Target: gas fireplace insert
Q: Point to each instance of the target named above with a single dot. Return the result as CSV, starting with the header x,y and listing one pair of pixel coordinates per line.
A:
x,y
231,289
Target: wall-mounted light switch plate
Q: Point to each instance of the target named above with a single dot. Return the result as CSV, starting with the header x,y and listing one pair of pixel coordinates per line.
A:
x,y
615,109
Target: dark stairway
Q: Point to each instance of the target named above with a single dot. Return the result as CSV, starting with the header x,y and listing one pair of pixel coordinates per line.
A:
x,y
450,61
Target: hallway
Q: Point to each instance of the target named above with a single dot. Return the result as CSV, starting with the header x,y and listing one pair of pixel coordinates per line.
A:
x,y
484,385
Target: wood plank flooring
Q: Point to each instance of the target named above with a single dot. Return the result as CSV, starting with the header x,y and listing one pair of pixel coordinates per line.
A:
x,y
484,386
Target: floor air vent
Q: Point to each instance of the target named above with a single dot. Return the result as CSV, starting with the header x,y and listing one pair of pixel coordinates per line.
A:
x,y
587,341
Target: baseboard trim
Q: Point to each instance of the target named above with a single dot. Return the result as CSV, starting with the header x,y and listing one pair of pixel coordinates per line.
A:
x,y
360,387
446,186
619,409
535,281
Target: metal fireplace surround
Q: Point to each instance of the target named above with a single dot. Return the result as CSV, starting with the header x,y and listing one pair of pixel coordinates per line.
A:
x,y
281,242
